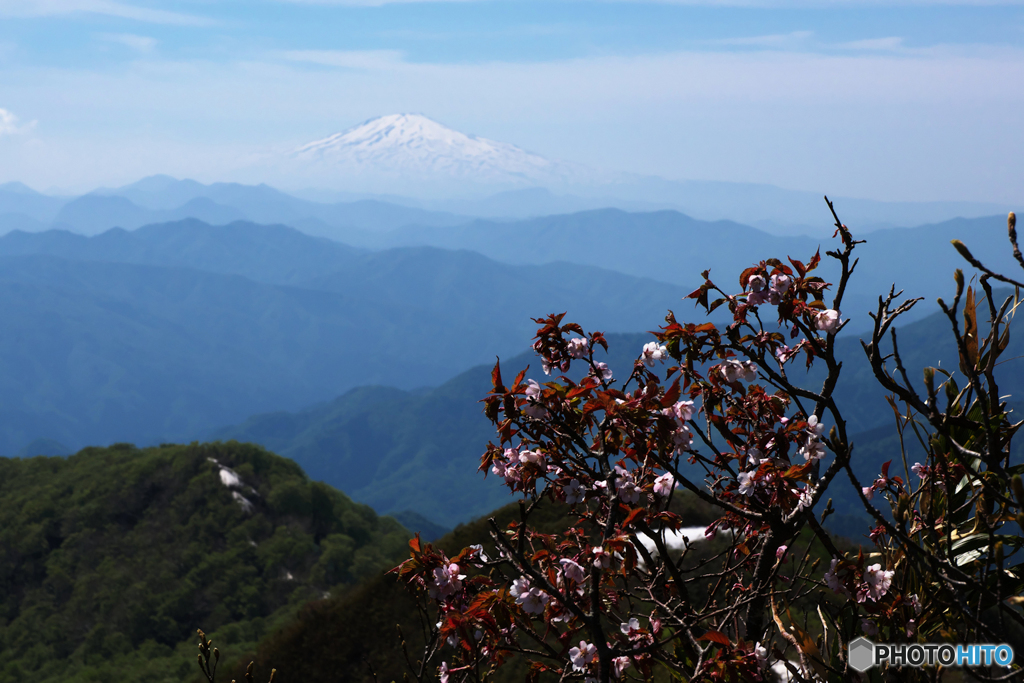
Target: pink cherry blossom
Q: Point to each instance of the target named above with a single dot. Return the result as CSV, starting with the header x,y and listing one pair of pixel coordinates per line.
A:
x,y
868,491
780,553
620,664
734,370
578,347
447,581
784,354
533,601
813,450
583,655
628,626
682,438
664,484
535,457
572,570
603,372
519,587
444,672
756,283
574,492
625,486
832,579
757,298
781,283
681,411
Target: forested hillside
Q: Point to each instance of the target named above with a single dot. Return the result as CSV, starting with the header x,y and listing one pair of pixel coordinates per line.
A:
x,y
110,559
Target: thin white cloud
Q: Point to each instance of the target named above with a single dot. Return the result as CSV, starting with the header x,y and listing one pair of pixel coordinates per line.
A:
x,y
777,40
135,42
874,44
369,3
369,60
9,124
49,8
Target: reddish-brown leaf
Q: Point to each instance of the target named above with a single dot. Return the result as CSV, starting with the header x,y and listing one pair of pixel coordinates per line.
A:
x,y
716,637
496,378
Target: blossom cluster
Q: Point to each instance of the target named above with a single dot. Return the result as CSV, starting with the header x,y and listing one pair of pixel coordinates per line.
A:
x,y
871,583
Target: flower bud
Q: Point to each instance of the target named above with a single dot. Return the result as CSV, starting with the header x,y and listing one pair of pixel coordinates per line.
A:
x,y
929,380
958,276
951,391
1011,224
999,553
1018,489
216,654
964,251
984,509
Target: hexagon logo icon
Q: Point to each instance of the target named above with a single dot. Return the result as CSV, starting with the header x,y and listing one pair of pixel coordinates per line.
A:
x,y
862,654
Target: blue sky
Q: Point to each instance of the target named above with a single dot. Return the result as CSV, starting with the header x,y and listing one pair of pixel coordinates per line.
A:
x,y
914,100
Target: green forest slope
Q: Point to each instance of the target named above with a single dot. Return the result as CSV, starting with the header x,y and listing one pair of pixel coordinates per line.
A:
x,y
110,559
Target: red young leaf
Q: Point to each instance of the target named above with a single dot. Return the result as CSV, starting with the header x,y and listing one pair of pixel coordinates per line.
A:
x,y
519,377
496,378
815,260
800,267
715,637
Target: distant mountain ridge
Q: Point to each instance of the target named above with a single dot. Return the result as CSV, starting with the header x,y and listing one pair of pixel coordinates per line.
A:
x,y
160,199
161,333
339,214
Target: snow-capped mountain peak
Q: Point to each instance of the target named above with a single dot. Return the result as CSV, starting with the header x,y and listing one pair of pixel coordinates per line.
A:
x,y
414,146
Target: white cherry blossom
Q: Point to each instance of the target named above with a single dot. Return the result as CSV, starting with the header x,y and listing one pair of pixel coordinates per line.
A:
x,y
828,321
746,482
652,352
877,582
533,408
